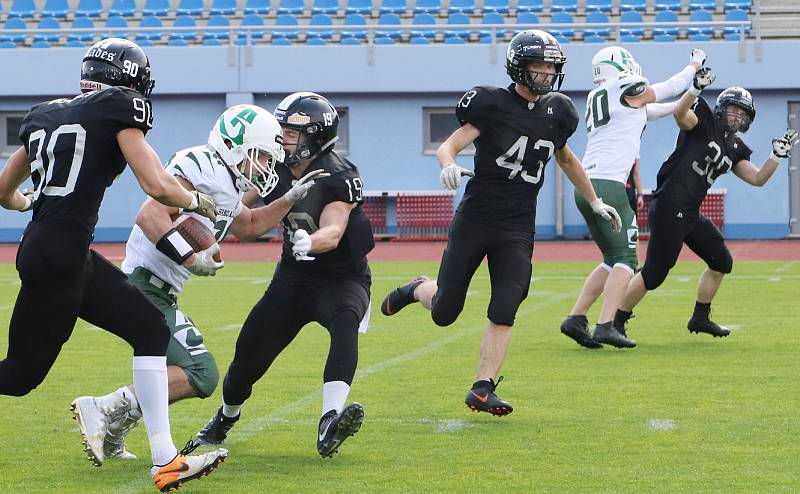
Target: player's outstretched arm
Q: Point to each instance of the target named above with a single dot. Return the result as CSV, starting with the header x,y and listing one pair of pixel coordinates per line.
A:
x,y
669,88
156,182
451,173
571,165
16,171
332,224
684,115
781,149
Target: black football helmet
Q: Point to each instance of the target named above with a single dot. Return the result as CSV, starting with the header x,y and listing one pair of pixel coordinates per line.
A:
x,y
737,96
116,62
316,120
535,46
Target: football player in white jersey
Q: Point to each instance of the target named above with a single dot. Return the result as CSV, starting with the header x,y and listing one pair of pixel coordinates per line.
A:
x,y
617,111
243,148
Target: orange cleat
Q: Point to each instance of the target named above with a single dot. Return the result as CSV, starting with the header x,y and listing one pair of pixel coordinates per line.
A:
x,y
183,468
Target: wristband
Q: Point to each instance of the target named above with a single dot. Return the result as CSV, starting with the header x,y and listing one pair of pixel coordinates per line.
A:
x,y
694,91
194,204
173,245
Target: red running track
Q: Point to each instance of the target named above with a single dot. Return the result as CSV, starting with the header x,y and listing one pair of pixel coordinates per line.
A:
x,y
742,250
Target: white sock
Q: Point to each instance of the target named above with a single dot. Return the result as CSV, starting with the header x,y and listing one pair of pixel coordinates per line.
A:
x,y
150,379
230,411
334,395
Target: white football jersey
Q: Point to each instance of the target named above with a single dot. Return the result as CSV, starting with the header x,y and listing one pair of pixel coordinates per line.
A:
x,y
615,129
199,167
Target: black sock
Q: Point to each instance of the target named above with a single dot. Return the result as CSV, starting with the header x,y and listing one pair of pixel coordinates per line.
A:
x,y
604,325
702,311
621,317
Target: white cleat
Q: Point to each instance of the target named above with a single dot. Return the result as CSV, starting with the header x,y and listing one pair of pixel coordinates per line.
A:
x,y
183,468
93,426
119,425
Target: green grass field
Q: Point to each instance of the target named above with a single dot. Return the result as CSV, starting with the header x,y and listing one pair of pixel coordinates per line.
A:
x,y
680,413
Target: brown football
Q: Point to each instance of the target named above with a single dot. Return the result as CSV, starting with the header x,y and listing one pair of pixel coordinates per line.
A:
x,y
196,234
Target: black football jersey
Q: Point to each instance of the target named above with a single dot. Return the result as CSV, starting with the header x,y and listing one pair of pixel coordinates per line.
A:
x,y
73,151
345,185
516,142
701,155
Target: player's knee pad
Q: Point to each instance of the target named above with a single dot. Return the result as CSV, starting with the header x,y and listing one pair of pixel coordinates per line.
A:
x,y
203,376
445,310
653,277
344,320
152,341
18,379
722,263
503,307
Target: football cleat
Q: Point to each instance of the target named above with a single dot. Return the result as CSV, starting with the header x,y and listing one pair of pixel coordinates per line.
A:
x,y
401,296
577,328
183,468
706,325
213,434
484,399
118,428
93,425
621,321
610,335
335,428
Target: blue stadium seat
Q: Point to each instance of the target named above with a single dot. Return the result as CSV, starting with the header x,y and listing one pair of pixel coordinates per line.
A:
x,y
631,16
217,21
281,41
40,44
212,42
55,8
526,18
177,42
89,8
423,20
320,20
707,5
116,22
530,6
564,6
454,40
190,8
492,18
487,40
329,7
257,7
737,5
9,44
74,43
355,20
350,41
462,6
593,38
150,21
363,7
158,8
562,18
732,37
252,20
457,18
223,7
428,6
598,6
398,7
244,42
699,37
599,18
627,38
145,42
14,23
637,5
82,23
667,20
563,40
663,38
184,21
285,20
419,40
48,23
22,8
700,16
383,40
736,15
389,20
316,42
670,5
293,7
499,6
122,8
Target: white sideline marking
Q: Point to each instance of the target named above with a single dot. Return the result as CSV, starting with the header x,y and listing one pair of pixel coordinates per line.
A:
x,y
683,279
257,424
734,327
450,425
229,327
774,279
782,268
661,424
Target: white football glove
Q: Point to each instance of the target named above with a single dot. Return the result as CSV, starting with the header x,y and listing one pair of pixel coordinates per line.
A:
x,y
300,189
204,263
697,56
608,213
202,204
451,174
28,193
702,79
781,146
301,241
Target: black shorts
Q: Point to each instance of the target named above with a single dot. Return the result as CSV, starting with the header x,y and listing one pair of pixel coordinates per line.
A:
x,y
670,228
509,254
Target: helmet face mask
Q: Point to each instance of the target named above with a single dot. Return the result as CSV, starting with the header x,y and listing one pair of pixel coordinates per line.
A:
x,y
735,109
314,119
611,61
116,62
535,46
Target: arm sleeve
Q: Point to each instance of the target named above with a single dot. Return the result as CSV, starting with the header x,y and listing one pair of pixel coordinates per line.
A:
x,y
675,85
744,150
124,109
345,187
659,110
567,123
475,108
183,166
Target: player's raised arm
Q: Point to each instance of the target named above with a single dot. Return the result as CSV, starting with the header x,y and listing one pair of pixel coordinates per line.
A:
x,y
640,94
781,148
16,171
684,116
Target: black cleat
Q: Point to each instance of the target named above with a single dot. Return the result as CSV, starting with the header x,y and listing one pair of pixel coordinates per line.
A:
x,y
706,325
213,434
621,319
401,296
483,399
335,428
608,334
577,328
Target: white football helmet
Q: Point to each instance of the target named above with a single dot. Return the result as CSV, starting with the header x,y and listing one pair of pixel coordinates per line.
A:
x,y
610,61
249,142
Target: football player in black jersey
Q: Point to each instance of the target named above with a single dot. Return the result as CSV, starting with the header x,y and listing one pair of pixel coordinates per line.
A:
x,y
74,149
708,146
322,276
516,130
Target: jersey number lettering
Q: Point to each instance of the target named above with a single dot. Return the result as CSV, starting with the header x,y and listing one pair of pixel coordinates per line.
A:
x,y
302,220
354,187
713,164
517,151
45,171
144,111
467,99
597,113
